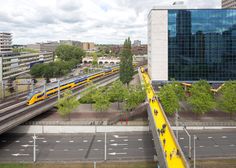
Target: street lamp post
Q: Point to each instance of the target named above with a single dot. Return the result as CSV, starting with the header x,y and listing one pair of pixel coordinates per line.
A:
x,y
34,147
59,92
194,150
177,124
189,142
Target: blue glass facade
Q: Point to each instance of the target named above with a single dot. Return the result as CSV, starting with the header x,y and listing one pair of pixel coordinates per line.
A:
x,y
202,44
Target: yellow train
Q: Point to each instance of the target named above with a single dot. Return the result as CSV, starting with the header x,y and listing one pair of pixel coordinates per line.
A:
x,y
53,89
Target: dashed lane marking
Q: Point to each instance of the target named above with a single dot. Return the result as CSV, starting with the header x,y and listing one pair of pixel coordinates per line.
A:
x,y
232,145
71,141
181,138
140,148
65,150
96,149
126,140
125,148
112,140
216,146
58,141
17,141
30,141
85,140
44,141
224,137
80,149
201,146
209,137
140,139
99,140
51,150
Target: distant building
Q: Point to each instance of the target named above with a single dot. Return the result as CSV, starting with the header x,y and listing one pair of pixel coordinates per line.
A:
x,y
137,43
14,64
102,60
71,42
41,47
88,46
5,42
228,4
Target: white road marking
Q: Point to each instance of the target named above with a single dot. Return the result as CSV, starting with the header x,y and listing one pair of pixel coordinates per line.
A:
x,y
201,146
99,140
224,137
6,149
19,154
58,141
115,144
80,149
44,141
209,137
65,150
126,140
117,136
51,150
17,141
140,139
30,141
216,146
112,140
181,138
71,141
85,140
125,148
114,153
140,148
96,149
232,145
4,141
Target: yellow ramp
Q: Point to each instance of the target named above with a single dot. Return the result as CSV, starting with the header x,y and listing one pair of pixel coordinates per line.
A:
x,y
174,156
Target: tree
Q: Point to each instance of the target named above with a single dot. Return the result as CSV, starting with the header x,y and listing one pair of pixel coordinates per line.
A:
x,y
101,100
178,89
67,52
201,98
86,96
227,100
95,59
117,92
169,98
67,104
126,63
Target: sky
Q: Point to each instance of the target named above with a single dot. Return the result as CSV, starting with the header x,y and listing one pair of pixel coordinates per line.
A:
x,y
99,21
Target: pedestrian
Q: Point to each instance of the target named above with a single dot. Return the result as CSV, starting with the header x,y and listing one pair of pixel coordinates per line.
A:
x,y
165,153
155,112
163,126
162,132
170,156
158,130
164,141
177,152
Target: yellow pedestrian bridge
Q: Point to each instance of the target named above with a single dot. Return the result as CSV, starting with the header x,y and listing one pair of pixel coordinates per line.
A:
x,y
171,151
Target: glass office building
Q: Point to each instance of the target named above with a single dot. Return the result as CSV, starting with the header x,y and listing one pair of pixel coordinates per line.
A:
x,y
201,44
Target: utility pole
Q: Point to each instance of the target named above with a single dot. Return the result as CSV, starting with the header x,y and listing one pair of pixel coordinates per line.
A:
x,y
44,88
34,151
105,147
58,92
189,142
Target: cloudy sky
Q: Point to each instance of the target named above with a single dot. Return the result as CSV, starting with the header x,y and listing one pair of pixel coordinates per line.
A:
x,y
100,21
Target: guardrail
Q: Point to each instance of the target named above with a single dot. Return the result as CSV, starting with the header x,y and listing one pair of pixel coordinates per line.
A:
x,y
172,153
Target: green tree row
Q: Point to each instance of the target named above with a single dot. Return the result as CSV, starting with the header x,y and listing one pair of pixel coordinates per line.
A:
x,y
201,99
53,69
131,96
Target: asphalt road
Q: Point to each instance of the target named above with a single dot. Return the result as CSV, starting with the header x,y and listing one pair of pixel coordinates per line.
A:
x,y
80,147
210,143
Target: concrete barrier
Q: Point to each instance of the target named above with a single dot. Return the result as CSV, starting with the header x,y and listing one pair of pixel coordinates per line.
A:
x,y
41,129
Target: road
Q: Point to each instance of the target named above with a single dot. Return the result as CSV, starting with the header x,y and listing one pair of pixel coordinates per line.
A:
x,y
77,147
211,143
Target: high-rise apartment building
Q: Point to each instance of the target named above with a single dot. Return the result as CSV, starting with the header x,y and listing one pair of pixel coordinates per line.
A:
x,y
228,4
5,42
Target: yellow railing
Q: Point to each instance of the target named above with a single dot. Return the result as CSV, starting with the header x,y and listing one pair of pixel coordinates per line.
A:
x,y
173,154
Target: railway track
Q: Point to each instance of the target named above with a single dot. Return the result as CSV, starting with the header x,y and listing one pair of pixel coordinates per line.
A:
x,y
24,110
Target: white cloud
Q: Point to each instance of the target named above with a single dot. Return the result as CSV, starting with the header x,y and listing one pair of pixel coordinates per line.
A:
x,y
101,21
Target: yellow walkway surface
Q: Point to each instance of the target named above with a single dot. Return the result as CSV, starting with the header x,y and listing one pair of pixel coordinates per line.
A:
x,y
174,158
